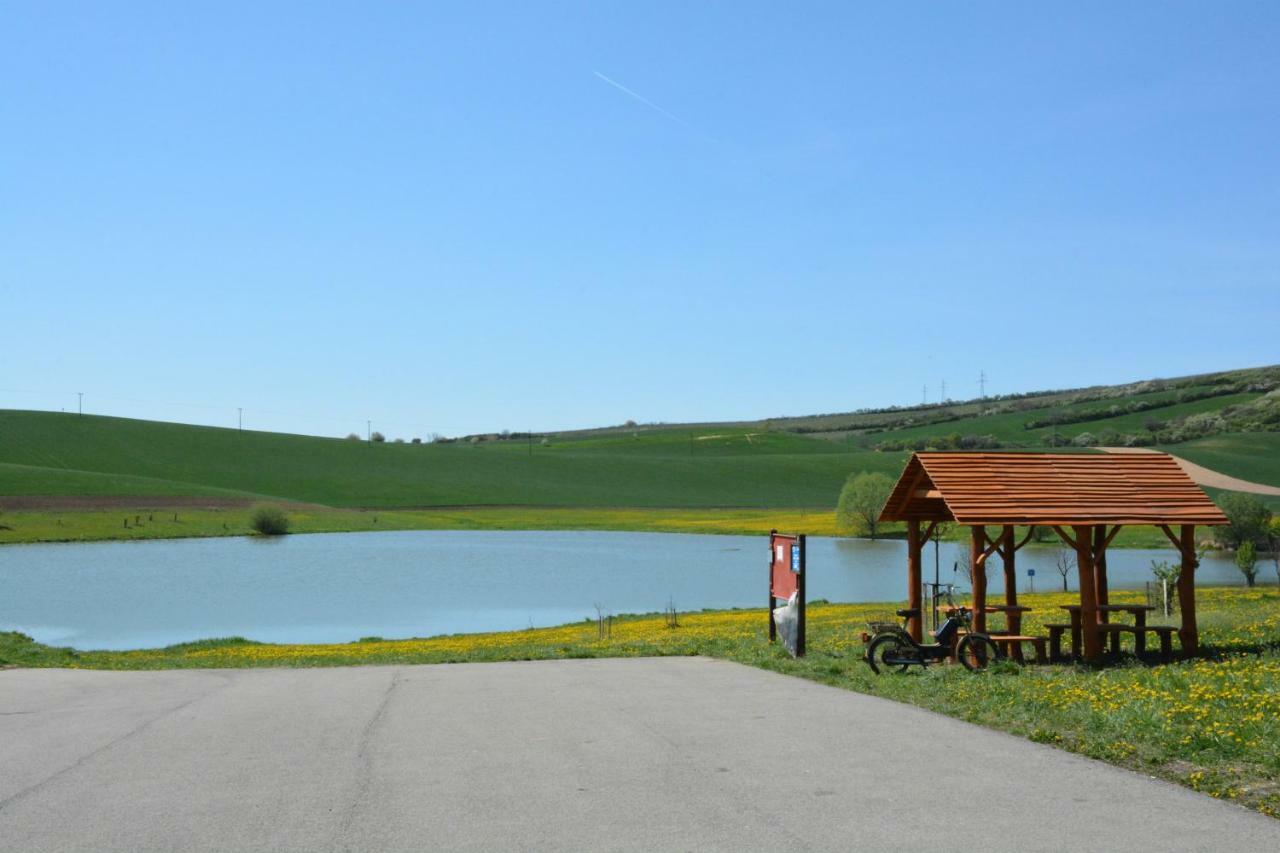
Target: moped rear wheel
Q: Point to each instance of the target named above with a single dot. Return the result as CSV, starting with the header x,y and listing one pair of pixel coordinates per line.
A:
x,y
888,653
976,652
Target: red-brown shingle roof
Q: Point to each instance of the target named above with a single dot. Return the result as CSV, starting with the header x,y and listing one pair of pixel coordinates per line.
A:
x,y
1049,488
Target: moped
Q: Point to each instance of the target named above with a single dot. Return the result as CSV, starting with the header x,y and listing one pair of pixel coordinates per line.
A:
x,y
890,647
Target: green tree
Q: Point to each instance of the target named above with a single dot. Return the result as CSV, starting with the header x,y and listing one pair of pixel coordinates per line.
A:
x,y
861,500
1247,562
1247,518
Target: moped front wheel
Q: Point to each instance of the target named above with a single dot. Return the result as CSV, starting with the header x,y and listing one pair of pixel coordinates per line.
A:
x,y
976,652
889,652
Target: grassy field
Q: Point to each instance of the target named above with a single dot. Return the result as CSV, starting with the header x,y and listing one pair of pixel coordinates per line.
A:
x,y
147,522
731,478
49,453
1212,723
156,521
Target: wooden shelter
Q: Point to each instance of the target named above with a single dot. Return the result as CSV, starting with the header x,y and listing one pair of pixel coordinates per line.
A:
x,y
1085,498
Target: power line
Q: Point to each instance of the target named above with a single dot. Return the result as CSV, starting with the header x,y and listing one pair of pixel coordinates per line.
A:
x,y
982,384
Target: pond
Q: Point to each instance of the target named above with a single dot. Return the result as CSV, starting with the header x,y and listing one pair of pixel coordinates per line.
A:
x,y
339,587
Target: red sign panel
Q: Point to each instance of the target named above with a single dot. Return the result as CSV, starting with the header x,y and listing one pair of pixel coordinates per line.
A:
x,y
785,565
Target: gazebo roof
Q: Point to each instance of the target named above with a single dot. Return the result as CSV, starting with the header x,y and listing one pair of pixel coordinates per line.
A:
x,y
1048,489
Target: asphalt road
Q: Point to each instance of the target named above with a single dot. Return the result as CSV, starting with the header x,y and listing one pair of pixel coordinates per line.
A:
x,y
649,754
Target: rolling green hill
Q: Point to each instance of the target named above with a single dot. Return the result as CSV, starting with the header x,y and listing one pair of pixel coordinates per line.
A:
x,y
1217,420
44,453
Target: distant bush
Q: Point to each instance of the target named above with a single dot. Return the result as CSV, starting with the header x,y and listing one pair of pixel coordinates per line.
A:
x,y
417,440
351,436
269,521
1085,439
378,437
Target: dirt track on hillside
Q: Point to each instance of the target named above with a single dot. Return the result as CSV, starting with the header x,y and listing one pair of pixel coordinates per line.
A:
x,y
1205,476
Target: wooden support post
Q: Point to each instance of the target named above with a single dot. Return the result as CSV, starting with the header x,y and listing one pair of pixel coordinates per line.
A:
x,y
1007,550
976,541
1190,634
1100,568
914,579
1088,594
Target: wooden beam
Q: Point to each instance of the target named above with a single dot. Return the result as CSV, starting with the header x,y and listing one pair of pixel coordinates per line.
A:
x,y
976,560
927,493
1177,543
1190,633
1088,598
1031,531
1010,580
1100,550
1101,591
914,579
1075,546
928,533
992,547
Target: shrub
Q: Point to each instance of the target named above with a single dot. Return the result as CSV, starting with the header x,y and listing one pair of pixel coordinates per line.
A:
x,y
269,521
1085,439
378,437
351,436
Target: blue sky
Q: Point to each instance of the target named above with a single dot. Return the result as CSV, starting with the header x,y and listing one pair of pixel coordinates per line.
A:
x,y
444,217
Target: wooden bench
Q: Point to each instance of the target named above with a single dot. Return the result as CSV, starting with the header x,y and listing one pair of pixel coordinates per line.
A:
x,y
1056,630
1140,637
1011,645
1114,630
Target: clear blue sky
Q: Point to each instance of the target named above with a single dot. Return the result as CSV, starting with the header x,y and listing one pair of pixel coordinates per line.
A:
x,y
472,216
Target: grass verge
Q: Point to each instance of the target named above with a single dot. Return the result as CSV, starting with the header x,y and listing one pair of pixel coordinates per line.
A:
x,y
158,521
1212,723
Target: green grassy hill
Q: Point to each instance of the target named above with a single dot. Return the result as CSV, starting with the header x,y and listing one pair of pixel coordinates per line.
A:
x,y
778,463
45,453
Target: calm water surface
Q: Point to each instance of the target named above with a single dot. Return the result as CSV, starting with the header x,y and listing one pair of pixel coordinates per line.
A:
x,y
339,587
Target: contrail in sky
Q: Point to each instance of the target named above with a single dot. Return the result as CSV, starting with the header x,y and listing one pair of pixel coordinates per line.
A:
x,y
642,99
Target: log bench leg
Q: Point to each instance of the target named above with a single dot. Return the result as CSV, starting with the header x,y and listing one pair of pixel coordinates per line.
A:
x,y
1055,644
1166,645
1041,657
1115,642
1140,643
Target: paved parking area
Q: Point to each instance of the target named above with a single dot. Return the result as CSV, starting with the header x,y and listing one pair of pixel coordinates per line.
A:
x,y
641,754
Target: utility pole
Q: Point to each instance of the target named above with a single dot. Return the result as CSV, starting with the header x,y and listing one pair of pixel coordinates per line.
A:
x,y
80,403
942,398
368,433
240,418
530,442
924,394
982,384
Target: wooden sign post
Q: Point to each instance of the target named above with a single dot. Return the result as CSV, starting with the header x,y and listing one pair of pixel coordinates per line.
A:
x,y
786,577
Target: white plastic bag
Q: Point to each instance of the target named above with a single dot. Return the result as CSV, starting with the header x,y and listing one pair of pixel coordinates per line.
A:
x,y
787,620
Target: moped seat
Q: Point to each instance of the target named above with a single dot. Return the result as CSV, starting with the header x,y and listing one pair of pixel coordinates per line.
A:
x,y
907,614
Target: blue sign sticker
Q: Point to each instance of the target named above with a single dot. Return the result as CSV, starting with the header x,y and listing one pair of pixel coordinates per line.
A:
x,y
795,558
1031,573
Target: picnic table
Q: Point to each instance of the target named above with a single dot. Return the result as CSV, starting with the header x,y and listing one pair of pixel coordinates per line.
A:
x,y
1012,638
1139,629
